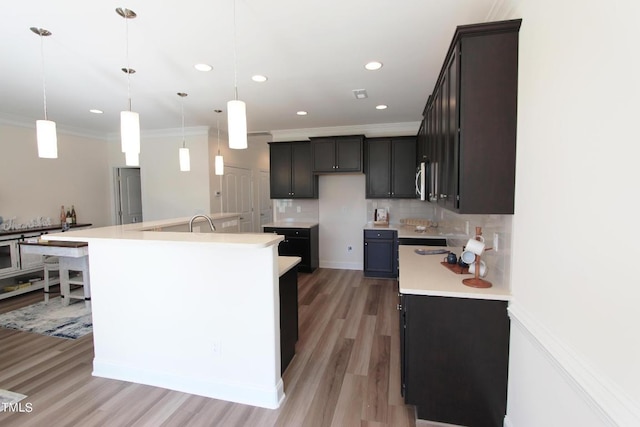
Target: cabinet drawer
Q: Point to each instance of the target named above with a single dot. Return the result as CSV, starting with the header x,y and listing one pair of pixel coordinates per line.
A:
x,y
289,232
379,234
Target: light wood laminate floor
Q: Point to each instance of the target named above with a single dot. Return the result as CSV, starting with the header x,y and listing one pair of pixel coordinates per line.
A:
x,y
346,371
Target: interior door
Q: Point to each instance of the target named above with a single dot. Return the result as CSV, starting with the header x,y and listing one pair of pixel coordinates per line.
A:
x,y
128,195
237,195
266,211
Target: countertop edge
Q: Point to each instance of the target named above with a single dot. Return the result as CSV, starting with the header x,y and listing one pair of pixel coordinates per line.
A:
x,y
290,224
454,294
286,263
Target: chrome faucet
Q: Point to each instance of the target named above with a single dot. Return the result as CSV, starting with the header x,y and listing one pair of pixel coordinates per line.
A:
x,y
213,227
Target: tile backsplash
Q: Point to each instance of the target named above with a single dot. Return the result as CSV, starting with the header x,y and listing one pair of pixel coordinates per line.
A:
x,y
296,210
498,262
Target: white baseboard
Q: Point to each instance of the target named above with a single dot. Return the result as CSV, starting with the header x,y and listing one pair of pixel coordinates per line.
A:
x,y
613,406
339,265
247,394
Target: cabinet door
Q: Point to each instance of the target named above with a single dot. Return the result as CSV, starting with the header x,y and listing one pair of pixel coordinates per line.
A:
x,y
437,143
304,184
443,126
450,124
488,118
280,171
299,246
288,317
431,153
378,170
403,171
323,154
348,154
378,258
380,253
456,359
422,142
8,257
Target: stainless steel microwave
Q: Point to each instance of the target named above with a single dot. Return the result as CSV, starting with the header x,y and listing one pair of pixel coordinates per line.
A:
x,y
427,181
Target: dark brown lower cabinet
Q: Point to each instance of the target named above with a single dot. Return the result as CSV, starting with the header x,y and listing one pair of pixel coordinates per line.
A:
x,y
302,242
288,317
454,359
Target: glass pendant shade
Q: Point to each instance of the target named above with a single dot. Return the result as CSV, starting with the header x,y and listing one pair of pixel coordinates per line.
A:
x,y
237,119
130,131
47,139
185,159
219,165
132,158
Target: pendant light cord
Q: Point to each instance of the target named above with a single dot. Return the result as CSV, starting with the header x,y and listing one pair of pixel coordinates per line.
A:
x,y
235,53
128,71
218,126
183,140
44,85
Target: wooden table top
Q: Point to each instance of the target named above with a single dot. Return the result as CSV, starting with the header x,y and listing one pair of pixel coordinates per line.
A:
x,y
56,243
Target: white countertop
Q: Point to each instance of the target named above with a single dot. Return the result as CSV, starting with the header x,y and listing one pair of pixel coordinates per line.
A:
x,y
410,231
424,275
291,224
150,231
286,263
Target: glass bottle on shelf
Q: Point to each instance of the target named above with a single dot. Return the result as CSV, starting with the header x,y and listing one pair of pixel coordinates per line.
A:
x,y
63,216
73,215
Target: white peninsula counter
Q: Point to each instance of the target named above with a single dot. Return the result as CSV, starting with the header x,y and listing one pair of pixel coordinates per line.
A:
x,y
193,312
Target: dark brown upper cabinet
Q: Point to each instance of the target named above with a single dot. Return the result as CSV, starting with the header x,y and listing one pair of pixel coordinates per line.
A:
x,y
290,172
390,167
468,134
337,154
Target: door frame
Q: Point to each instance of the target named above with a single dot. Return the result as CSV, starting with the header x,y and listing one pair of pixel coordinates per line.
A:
x,y
117,197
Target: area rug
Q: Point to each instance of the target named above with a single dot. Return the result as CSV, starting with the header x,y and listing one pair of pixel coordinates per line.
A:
x,y
8,397
53,319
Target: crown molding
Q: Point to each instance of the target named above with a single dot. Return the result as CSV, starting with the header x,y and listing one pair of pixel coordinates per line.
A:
x,y
371,131
29,123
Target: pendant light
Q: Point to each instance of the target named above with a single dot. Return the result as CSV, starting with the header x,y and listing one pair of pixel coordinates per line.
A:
x,y
219,163
236,109
129,120
45,129
183,152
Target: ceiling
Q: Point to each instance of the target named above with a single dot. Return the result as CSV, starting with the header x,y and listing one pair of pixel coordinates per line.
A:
x,y
312,51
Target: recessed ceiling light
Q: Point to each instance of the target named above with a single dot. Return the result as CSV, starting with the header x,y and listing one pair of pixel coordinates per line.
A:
x,y
381,107
203,67
96,111
373,65
302,113
259,78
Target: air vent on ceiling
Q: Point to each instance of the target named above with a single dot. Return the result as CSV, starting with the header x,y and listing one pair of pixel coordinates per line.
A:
x,y
360,93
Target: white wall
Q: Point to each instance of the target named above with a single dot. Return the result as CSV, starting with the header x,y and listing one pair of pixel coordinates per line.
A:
x,y
31,187
166,191
575,288
342,215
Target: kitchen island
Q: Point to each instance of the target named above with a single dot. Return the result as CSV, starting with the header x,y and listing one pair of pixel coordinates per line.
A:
x,y
193,312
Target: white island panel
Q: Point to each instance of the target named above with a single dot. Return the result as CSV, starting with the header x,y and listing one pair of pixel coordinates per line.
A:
x,y
201,319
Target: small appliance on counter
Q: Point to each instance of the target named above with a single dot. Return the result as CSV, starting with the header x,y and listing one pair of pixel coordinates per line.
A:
x,y
381,217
